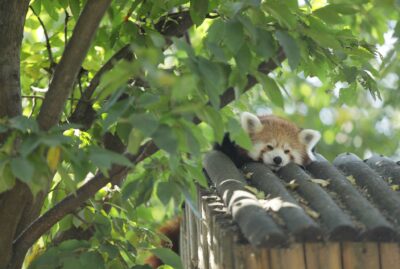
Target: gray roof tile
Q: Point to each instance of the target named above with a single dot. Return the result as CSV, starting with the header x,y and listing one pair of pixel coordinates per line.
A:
x,y
356,204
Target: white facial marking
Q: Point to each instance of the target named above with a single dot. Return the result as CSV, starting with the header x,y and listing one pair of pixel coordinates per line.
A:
x,y
269,156
255,152
297,157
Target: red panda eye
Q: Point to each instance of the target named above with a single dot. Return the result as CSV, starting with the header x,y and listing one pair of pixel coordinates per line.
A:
x,y
270,147
287,151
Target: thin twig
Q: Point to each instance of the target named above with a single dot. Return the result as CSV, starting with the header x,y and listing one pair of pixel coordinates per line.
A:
x,y
33,104
66,27
42,98
46,35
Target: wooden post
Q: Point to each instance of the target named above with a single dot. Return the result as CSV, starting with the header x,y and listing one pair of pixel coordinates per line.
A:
x,y
360,255
288,258
321,255
203,263
193,243
390,255
182,239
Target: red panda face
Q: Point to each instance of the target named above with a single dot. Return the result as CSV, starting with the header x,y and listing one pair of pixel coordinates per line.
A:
x,y
277,142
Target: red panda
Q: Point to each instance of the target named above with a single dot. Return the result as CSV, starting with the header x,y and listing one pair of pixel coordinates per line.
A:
x,y
276,142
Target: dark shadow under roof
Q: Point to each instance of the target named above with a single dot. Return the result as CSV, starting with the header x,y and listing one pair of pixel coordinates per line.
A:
x,y
349,200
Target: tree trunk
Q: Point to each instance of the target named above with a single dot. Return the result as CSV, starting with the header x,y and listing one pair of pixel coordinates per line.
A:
x,y
14,201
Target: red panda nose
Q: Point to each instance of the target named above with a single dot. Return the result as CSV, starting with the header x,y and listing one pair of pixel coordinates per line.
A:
x,y
277,160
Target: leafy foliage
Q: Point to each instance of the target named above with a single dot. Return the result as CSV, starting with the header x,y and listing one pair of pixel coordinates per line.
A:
x,y
334,80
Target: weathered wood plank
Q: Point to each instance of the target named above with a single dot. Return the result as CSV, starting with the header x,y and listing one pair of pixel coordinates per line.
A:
x,y
183,240
193,243
252,258
265,258
204,255
288,258
323,256
390,255
360,255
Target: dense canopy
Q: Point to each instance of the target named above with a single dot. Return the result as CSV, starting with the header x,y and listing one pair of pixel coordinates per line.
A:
x,y
106,108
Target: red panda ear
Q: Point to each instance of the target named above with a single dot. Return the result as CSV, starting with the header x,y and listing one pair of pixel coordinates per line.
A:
x,y
309,138
250,123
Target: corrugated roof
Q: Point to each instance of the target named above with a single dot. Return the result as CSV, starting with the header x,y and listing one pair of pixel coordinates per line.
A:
x,y
348,200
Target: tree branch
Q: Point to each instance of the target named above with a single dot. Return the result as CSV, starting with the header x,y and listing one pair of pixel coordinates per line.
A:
x,y
174,24
71,61
80,114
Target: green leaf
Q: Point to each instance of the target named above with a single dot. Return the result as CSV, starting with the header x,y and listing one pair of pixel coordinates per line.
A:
x,y
234,35
50,7
75,8
141,267
271,89
280,11
192,143
243,59
3,128
238,135
168,257
350,73
322,33
166,139
115,112
214,119
29,144
183,45
48,260
37,6
213,78
265,45
167,191
145,122
73,244
249,28
24,124
22,169
103,225
104,158
67,180
7,178
135,139
290,47
196,172
328,14
91,260
231,9
139,191
70,263
397,30
198,10
347,95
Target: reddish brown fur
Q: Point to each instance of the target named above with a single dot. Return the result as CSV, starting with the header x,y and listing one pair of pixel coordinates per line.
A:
x,y
282,131
170,229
